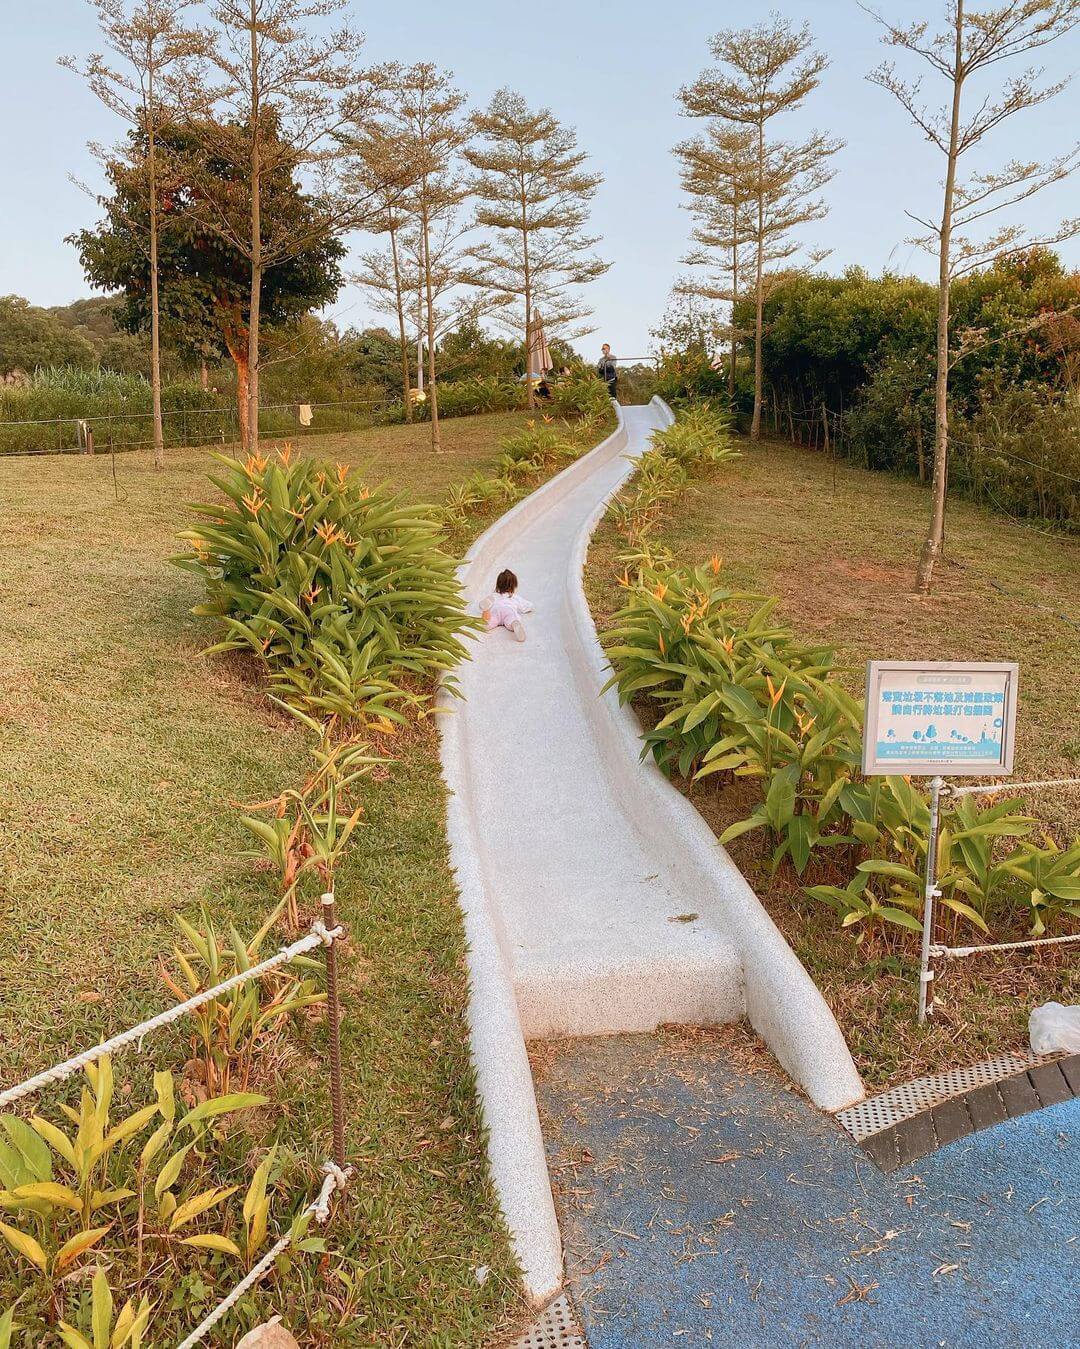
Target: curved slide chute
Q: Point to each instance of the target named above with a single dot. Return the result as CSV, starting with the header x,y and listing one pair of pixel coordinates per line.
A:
x,y
578,865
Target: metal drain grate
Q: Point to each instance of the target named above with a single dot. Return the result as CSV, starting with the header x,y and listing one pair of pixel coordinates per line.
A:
x,y
900,1103
557,1328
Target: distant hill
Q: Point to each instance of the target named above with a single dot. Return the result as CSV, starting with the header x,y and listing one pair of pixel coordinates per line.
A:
x,y
83,334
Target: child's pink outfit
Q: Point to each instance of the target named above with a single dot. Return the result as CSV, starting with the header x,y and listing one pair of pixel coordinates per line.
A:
x,y
503,611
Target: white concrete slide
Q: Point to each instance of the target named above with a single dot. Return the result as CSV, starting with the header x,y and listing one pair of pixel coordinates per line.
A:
x,y
577,863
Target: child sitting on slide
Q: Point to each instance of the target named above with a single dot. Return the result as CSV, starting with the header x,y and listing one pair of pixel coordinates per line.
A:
x,y
504,608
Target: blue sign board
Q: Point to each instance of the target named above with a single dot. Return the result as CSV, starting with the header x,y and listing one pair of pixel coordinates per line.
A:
x,y
939,718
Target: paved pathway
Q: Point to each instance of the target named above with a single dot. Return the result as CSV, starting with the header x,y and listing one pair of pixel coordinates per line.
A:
x,y
701,1201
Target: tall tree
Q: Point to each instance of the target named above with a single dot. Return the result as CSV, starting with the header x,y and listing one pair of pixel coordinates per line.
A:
x,y
149,38
383,276
972,43
382,168
717,171
534,192
423,114
206,281
284,92
762,72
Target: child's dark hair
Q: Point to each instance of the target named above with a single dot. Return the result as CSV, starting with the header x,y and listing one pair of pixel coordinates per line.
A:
x,y
505,583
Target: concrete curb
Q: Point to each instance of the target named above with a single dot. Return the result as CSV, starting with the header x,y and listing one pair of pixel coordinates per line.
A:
x,y
515,1144
783,1003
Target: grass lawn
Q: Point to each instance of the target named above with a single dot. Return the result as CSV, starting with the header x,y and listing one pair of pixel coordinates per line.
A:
x,y
121,751
838,546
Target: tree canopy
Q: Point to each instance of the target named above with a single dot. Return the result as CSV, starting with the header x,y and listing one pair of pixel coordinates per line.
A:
x,y
205,290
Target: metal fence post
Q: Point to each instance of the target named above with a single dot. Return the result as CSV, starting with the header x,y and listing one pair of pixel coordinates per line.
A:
x,y
926,974
333,1008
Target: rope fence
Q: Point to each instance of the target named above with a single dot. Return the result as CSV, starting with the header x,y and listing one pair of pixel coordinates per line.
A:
x,y
326,933
935,950
959,952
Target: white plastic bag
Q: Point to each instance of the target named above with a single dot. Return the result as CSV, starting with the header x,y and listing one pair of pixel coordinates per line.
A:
x,y
1054,1029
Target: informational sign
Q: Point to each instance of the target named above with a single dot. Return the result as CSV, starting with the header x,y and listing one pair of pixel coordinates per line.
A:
x,y
939,718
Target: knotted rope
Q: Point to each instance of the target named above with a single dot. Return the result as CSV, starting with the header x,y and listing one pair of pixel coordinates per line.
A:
x,y
334,1178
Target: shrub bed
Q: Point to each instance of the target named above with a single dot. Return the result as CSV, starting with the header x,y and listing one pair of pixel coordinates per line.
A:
x,y
737,695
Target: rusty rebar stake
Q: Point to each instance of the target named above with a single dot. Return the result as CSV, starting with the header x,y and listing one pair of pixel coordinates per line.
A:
x,y
333,1007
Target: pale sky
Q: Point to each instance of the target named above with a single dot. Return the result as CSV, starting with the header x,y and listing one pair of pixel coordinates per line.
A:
x,y
609,69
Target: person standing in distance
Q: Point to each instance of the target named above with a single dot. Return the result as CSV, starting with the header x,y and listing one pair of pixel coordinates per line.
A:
x,y
607,370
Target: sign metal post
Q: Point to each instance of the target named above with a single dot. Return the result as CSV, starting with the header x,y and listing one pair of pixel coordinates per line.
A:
x,y
929,719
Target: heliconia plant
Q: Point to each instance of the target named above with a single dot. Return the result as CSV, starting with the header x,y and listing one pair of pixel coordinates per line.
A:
x,y
342,592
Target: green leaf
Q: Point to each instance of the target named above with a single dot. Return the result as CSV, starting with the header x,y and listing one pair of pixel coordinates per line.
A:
x,y
211,1241
199,1204
72,1338
900,917
740,827
29,1146
1067,888
56,1138
958,906
800,835
221,1105
880,868
101,1310
25,1246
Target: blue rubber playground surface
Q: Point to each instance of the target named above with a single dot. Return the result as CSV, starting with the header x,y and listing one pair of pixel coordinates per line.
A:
x,y
702,1201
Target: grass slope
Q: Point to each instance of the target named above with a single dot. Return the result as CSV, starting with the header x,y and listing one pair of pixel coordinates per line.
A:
x,y
121,750
838,545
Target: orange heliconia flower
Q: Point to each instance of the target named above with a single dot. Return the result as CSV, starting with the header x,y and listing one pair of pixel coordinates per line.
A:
x,y
342,473
775,694
660,642
715,563
660,591
285,453
255,464
328,531
255,502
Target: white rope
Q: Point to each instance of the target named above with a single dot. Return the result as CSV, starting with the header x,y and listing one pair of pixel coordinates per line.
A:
x,y
318,936
1000,787
334,1178
956,952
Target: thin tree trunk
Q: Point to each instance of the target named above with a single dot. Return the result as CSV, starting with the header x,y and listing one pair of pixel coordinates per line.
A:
x,y
734,288
155,306
399,301
204,375
530,396
935,536
256,241
433,392
238,350
759,296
